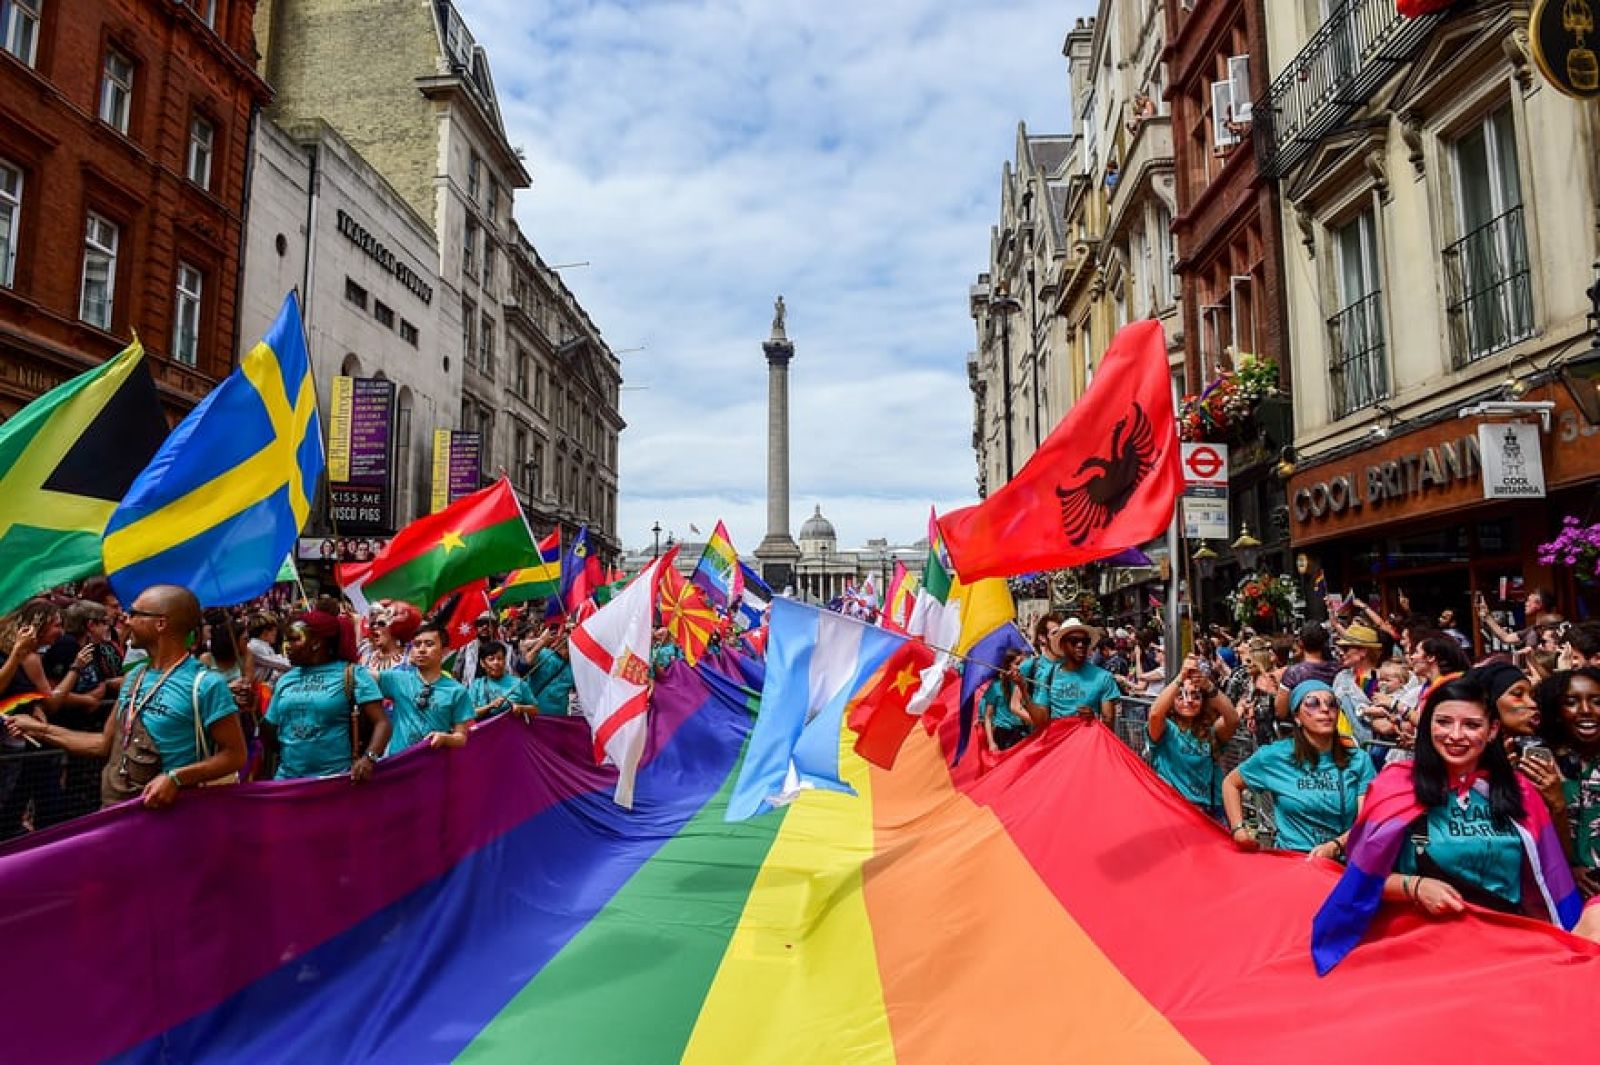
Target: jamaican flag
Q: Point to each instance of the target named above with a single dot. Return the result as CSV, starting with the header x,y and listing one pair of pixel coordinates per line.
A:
x,y
66,461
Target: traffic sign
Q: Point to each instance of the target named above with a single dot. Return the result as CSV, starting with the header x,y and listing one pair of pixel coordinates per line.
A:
x,y
1205,464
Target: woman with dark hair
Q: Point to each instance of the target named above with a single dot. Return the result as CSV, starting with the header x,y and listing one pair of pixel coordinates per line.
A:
x,y
317,706
1184,750
1315,780
1456,825
1569,723
1038,672
1005,721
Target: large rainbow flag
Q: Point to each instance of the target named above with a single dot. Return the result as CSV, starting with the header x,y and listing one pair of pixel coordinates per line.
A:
x,y
492,904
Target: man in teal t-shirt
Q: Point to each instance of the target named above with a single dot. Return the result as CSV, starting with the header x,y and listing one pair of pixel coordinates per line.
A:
x,y
1464,842
311,713
550,679
1309,806
169,710
1076,686
428,705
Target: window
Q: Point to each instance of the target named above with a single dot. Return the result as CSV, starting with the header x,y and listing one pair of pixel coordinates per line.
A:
x,y
519,455
99,272
493,205
207,10
488,265
486,346
408,333
201,136
383,313
10,221
536,470
1490,301
19,28
469,332
474,176
1166,257
469,248
116,91
355,293
186,316
522,373
1357,354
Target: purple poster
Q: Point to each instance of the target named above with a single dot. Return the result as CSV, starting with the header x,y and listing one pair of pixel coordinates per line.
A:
x,y
466,452
361,466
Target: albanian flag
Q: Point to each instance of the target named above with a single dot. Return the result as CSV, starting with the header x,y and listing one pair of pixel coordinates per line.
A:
x,y
1105,480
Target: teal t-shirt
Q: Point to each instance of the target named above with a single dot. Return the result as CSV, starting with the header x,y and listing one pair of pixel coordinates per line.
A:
x,y
312,715
1185,762
1310,806
510,690
170,711
997,700
661,656
550,681
447,705
1465,843
1038,671
1071,689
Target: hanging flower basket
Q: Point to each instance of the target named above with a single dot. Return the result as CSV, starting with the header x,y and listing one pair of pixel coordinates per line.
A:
x,y
1225,411
1577,545
1264,602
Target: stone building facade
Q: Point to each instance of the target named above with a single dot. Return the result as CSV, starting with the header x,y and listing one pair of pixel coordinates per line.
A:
x,y
1441,206
405,83
124,133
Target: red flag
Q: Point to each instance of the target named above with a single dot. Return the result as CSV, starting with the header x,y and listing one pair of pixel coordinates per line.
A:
x,y
1418,8
686,615
463,609
877,712
1105,480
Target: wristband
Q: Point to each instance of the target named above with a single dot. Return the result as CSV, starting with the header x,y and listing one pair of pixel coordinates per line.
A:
x,y
173,775
1240,827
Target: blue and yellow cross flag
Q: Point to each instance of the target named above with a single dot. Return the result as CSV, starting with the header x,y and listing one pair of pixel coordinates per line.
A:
x,y
223,501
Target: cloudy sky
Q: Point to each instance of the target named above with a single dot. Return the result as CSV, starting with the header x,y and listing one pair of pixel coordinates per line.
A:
x,y
705,155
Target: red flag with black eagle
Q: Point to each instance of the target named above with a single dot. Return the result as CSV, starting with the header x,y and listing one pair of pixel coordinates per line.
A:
x,y
1106,479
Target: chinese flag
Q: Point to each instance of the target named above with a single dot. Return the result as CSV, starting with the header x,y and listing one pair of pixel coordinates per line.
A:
x,y
1105,480
877,712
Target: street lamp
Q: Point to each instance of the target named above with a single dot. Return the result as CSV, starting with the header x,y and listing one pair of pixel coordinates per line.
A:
x,y
1205,562
1005,305
656,531
1581,373
1247,549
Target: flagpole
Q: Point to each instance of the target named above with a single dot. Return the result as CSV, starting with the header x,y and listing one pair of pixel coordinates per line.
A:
x,y
1171,643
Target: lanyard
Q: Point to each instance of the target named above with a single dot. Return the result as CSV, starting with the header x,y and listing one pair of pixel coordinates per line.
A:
x,y
136,705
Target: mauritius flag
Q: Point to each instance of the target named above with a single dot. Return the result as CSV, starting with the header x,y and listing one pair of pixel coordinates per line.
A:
x,y
536,582
477,535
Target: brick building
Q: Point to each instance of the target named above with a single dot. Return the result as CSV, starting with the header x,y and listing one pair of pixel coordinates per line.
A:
x,y
124,132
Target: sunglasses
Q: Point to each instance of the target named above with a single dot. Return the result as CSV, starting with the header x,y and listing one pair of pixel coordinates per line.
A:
x,y
425,697
135,612
1080,640
1319,702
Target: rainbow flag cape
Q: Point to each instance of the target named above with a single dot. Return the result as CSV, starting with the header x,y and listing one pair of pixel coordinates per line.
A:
x,y
536,582
478,922
717,572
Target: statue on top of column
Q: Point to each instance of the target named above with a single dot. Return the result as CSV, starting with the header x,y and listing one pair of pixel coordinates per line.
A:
x,y
779,313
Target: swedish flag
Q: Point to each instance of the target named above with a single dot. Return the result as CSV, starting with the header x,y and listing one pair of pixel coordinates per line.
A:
x,y
222,502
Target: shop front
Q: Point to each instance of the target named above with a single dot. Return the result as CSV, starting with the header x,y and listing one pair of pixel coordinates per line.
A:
x,y
1412,516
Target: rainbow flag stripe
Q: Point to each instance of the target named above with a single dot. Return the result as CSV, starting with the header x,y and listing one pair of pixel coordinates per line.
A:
x,y
12,703
1058,904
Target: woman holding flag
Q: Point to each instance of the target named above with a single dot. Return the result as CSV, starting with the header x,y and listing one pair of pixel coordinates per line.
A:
x,y
1457,826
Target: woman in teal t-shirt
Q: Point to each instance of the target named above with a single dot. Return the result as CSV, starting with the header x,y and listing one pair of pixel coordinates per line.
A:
x,y
1001,725
1315,781
495,690
1189,723
312,716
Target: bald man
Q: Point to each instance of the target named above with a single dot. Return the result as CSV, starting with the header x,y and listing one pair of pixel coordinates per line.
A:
x,y
150,741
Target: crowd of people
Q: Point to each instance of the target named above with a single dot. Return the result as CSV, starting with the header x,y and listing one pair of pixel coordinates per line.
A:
x,y
160,697
1486,750
105,704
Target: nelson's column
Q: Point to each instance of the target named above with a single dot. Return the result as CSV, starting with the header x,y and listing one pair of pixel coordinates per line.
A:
x,y
778,552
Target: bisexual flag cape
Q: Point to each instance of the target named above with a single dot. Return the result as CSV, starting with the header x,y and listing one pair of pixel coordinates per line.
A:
x,y
1382,828
492,904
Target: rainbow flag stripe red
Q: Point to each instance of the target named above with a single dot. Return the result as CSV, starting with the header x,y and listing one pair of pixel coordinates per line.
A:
x,y
1059,904
12,703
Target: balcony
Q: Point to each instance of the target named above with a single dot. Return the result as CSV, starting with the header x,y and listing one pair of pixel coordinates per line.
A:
x,y
1356,356
1338,70
1488,285
1149,151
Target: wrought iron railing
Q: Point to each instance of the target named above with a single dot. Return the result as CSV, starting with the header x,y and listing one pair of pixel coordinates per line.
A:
x,y
1357,354
1489,288
1345,61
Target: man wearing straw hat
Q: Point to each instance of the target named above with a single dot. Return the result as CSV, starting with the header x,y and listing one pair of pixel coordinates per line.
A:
x,y
1075,686
1361,652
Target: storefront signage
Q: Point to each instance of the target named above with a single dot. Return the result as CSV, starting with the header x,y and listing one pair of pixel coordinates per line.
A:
x,y
457,458
379,253
1563,38
1205,491
1513,468
1411,474
360,454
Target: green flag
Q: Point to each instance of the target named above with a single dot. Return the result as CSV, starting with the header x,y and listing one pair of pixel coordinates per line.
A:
x,y
66,461
286,572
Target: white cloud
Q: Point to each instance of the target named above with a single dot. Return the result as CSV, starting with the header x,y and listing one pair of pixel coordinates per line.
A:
x,y
705,155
